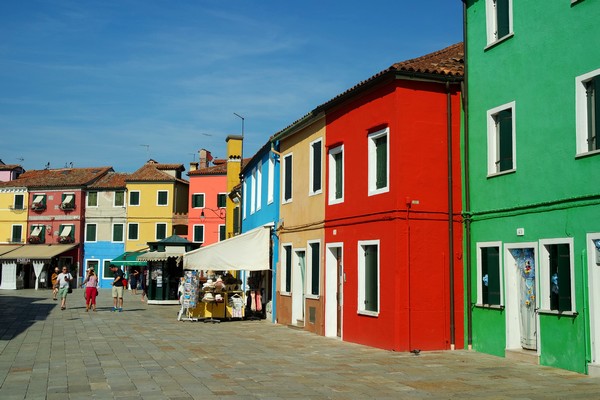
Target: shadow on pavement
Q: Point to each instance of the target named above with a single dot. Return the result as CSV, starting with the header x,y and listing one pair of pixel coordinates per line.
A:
x,y
17,314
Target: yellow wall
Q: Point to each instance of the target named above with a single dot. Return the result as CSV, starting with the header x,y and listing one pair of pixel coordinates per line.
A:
x,y
9,216
234,167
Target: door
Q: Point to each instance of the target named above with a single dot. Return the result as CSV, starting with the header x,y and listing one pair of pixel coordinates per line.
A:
x,y
339,287
593,251
333,290
298,288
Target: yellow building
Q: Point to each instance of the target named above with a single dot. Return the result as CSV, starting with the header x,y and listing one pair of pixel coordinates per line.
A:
x,y
234,167
13,215
157,204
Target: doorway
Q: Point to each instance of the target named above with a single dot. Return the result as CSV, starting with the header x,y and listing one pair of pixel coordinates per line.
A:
x,y
593,256
298,287
334,284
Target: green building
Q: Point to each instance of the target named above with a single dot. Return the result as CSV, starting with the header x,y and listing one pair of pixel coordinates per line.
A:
x,y
532,193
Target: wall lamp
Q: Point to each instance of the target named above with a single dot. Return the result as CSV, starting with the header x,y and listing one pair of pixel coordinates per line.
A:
x,y
220,212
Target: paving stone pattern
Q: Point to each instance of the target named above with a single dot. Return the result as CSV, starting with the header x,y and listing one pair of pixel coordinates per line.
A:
x,y
145,353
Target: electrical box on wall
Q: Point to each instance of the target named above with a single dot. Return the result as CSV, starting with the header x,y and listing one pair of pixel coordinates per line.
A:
x,y
520,231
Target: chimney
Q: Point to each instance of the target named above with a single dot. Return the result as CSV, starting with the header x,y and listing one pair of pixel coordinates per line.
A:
x,y
205,158
193,166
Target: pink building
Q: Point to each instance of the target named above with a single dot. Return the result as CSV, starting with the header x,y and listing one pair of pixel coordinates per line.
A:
x,y
10,172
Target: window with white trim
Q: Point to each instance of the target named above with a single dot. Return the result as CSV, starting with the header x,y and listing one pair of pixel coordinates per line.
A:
x,y
198,200
162,198
271,181
379,162
253,191
336,175
368,277
587,108
557,283
259,186
19,202
313,271
489,274
499,20
286,188
119,198
286,269
16,234
502,139
315,167
199,233
134,198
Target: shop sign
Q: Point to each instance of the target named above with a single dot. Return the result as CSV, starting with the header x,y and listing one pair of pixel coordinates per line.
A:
x,y
23,260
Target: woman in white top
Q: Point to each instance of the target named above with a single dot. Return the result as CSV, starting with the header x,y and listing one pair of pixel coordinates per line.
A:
x,y
64,280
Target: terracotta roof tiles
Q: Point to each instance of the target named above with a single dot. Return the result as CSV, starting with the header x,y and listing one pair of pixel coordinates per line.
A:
x,y
62,177
112,180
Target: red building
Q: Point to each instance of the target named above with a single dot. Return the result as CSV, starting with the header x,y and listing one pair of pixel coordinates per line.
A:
x,y
393,259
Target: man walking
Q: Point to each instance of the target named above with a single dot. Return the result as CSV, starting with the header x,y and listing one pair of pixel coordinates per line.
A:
x,y
117,288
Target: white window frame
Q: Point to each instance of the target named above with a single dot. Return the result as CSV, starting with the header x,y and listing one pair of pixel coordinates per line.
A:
x,y
311,167
361,277
491,17
283,275
581,113
372,164
309,259
289,157
139,198
544,274
194,233
493,147
332,176
271,181
156,230
203,200
479,275
112,232
253,191
259,186
138,230
158,192
86,233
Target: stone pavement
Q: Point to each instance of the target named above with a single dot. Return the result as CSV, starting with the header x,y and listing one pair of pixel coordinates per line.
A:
x,y
145,353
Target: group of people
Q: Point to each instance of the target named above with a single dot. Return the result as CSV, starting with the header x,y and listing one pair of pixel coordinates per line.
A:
x,y
61,283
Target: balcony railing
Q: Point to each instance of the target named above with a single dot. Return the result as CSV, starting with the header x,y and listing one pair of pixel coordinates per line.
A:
x,y
35,240
38,206
67,206
65,239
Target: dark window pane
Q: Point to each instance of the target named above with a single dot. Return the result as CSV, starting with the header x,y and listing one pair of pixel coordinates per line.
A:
x,y
339,169
288,179
490,271
381,153
315,265
503,18
371,283
504,124
316,167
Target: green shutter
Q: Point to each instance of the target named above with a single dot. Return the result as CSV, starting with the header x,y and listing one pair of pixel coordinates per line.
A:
x,y
381,163
504,124
288,179
316,167
593,113
133,232
502,18
118,233
221,200
490,266
371,283
119,198
18,202
90,233
339,169
564,277
236,220
288,269
222,235
315,271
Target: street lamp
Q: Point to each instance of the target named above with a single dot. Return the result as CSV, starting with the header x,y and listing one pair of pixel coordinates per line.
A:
x,y
218,212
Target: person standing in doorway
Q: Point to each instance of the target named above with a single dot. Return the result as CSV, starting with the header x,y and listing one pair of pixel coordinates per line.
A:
x,y
91,290
54,280
133,279
117,288
64,281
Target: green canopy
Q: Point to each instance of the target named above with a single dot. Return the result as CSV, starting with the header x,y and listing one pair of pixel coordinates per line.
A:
x,y
129,258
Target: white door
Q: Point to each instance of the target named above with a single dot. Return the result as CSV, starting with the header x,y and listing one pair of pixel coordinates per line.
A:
x,y
298,287
593,251
334,283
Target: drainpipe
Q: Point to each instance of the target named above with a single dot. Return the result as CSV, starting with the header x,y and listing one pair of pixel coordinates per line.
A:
x,y
450,215
467,202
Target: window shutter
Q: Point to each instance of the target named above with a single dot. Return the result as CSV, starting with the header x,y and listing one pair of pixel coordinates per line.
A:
x,y
339,168
288,178
371,278
222,235
564,277
503,18
236,220
18,202
593,113
17,231
288,269
504,124
316,167
381,152
315,273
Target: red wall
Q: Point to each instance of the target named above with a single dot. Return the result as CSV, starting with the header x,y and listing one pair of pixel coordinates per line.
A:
x,y
210,185
414,271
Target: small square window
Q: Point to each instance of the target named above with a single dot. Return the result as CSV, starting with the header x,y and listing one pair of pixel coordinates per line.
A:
x,y
119,198
198,200
118,233
161,231
222,200
133,231
90,232
92,199
199,233
134,198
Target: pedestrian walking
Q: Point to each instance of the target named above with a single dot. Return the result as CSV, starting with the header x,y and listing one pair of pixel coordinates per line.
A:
x,y
133,279
54,280
117,288
64,282
91,290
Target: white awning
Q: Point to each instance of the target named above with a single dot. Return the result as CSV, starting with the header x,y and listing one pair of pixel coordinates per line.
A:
x,y
68,199
66,231
170,251
249,251
38,199
37,230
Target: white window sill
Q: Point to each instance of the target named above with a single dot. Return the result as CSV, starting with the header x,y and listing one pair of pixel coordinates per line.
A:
x,y
490,306
502,39
368,313
287,294
495,174
587,154
558,313
312,296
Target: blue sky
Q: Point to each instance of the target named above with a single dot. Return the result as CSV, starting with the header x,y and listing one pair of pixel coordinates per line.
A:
x,y
93,82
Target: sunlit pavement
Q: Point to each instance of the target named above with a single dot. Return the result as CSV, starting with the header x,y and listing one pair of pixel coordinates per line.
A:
x,y
145,353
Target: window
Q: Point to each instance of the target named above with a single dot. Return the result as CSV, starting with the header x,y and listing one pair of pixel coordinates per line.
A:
x,y
133,231
222,233
587,106
17,234
556,280
271,181
336,175
161,231
92,199
244,203
119,198
286,269
287,178
19,202
314,268
315,167
198,200
259,186
39,202
66,233
379,162
90,232
134,198
501,139
38,234
252,194
106,272
162,198
199,233
368,277
67,201
222,200
489,281
498,20
118,232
